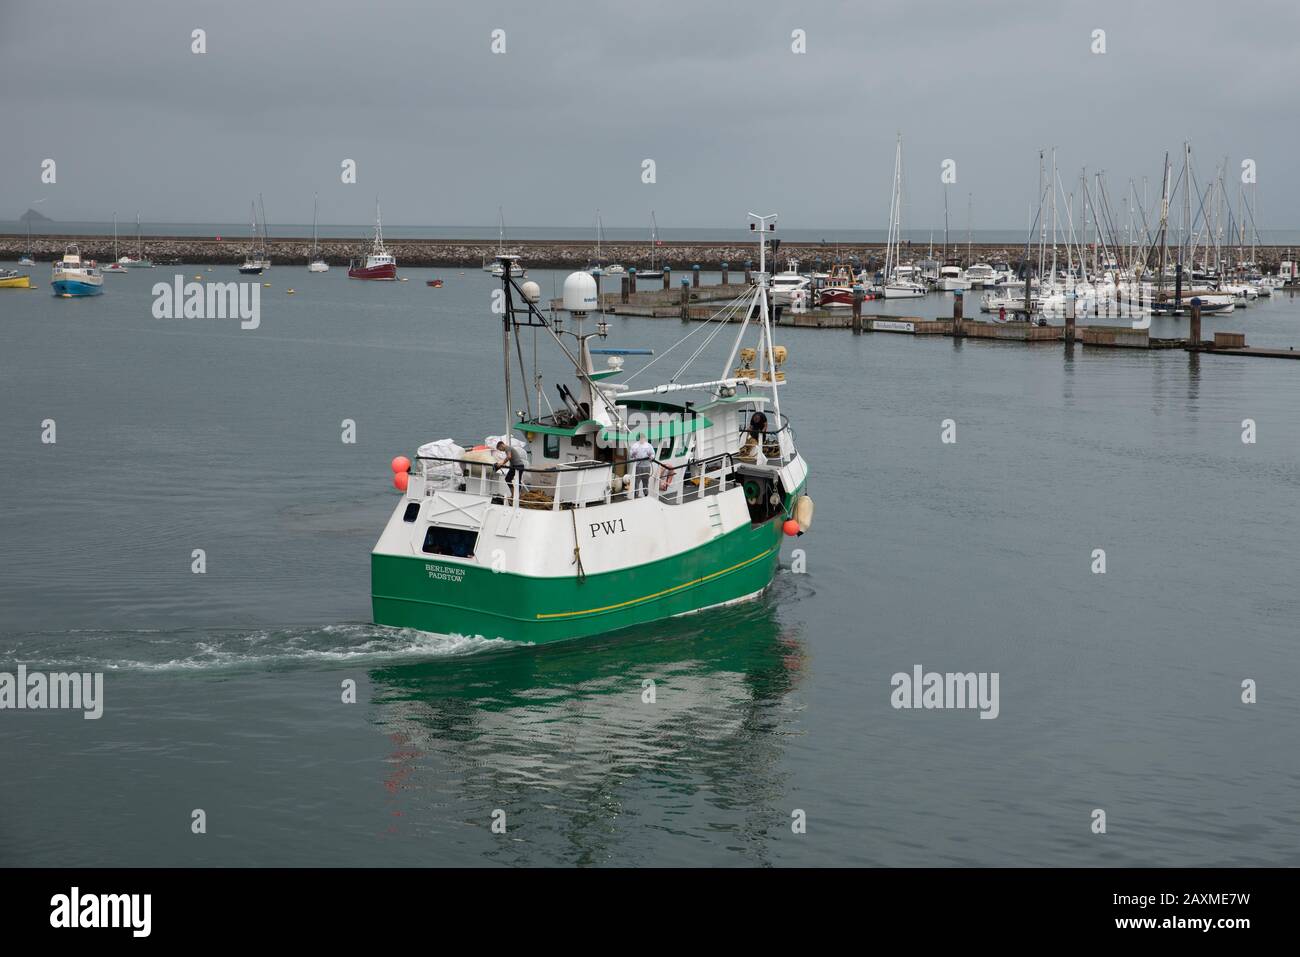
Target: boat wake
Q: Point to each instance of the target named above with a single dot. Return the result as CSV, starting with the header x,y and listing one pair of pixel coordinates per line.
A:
x,y
235,650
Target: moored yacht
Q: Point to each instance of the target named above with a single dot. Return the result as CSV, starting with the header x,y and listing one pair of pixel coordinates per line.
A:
x,y
981,276
951,279
784,285
317,263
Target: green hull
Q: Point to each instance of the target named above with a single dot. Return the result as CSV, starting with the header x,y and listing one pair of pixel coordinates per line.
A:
x,y
450,598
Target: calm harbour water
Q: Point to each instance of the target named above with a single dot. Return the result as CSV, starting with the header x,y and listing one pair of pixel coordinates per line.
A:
x,y
1118,691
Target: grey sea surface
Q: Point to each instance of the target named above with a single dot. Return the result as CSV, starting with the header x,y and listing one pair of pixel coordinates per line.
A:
x,y
222,692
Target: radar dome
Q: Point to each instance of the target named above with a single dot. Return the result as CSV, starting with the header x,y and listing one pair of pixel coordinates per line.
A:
x,y
532,292
580,293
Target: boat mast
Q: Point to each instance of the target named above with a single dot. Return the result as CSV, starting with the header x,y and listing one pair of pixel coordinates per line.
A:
x,y
654,241
114,237
970,203
315,209
262,205
763,308
945,222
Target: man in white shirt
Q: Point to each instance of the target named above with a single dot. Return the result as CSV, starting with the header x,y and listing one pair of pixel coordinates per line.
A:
x,y
641,455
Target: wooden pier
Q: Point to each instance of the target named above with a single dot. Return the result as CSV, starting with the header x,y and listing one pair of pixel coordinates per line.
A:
x,y
686,299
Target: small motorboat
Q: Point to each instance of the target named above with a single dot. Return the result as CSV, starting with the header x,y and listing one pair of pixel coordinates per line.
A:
x,y
12,279
435,283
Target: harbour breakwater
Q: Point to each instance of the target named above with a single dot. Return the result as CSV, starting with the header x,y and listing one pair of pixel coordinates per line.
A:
x,y
680,257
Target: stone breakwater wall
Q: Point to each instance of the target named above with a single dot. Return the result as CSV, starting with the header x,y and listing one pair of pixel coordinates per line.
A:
x,y
538,254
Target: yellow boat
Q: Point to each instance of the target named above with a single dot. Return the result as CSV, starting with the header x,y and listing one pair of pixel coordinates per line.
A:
x,y
14,280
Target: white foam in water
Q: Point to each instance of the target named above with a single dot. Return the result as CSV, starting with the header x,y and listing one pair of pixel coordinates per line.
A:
x,y
120,651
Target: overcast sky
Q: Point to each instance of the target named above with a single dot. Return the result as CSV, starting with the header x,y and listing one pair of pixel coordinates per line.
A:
x,y
445,130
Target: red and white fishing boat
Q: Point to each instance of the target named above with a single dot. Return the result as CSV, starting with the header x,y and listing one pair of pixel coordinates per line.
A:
x,y
838,290
380,263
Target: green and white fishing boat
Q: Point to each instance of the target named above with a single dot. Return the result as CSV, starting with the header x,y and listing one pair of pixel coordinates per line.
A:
x,y
578,539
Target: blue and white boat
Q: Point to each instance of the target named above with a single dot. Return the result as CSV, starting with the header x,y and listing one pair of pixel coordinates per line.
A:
x,y
72,277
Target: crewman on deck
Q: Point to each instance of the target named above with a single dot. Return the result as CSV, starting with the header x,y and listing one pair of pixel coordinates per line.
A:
x,y
513,458
641,455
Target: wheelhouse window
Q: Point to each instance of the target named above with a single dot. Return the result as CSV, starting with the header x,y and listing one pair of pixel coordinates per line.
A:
x,y
412,511
457,542
551,446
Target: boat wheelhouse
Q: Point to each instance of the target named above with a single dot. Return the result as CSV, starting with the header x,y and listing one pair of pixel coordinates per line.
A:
x,y
617,506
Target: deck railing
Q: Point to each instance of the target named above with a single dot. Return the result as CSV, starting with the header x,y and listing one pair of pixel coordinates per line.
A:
x,y
572,484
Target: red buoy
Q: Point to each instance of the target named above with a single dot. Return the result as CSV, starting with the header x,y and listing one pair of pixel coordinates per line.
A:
x,y
401,480
401,464
791,527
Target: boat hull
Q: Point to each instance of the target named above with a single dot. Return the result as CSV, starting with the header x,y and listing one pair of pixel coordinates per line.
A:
x,y
386,271
430,593
75,288
15,282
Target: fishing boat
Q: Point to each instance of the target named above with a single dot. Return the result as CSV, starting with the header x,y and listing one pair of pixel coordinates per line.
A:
x,y
838,290
576,541
116,266
257,260
379,263
71,277
316,263
13,279
140,261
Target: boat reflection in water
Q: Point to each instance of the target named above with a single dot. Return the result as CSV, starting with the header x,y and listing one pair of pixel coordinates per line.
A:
x,y
564,739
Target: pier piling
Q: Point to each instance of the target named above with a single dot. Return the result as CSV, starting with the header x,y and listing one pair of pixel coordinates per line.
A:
x,y
668,278
686,299
631,280
724,274
1194,335
958,305
857,310
1071,305
695,275
749,270
623,290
